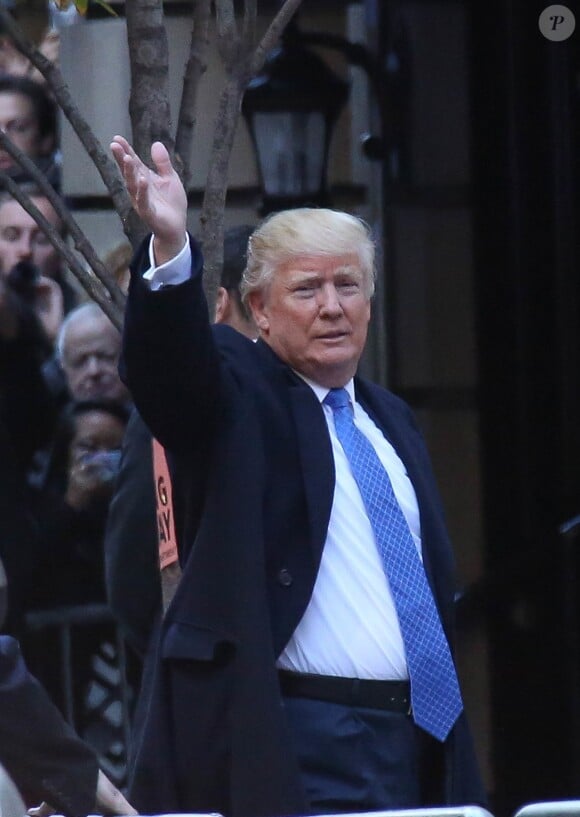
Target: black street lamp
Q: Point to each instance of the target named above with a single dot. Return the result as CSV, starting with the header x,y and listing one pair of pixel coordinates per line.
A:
x,y
291,108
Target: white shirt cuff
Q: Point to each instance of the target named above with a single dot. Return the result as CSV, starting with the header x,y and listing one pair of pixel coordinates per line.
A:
x,y
175,271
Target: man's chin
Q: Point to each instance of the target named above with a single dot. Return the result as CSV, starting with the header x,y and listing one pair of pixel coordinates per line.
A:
x,y
97,394
332,372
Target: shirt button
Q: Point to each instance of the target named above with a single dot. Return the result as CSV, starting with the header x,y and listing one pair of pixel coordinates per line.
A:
x,y
285,577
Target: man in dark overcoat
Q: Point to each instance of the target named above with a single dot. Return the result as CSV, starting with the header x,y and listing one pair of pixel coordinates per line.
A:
x,y
287,676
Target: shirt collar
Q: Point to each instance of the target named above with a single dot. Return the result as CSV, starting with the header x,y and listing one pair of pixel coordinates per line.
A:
x,y
322,391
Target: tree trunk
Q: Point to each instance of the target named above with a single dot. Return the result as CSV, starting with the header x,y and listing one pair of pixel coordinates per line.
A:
x,y
149,58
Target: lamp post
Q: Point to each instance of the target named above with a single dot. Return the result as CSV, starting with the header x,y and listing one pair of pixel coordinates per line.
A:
x,y
291,108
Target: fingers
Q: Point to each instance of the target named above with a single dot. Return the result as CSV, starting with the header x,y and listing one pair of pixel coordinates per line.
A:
x,y
161,160
125,156
134,172
139,179
119,142
43,810
109,798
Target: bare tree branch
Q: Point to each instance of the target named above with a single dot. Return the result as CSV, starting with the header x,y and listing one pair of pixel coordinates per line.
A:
x,y
250,15
273,34
195,68
149,61
248,61
229,42
226,20
82,244
212,221
103,162
87,278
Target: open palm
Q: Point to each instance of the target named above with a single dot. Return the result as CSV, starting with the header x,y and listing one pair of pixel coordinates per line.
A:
x,y
157,195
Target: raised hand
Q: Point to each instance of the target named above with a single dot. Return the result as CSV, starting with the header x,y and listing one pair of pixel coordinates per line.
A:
x,y
49,306
157,195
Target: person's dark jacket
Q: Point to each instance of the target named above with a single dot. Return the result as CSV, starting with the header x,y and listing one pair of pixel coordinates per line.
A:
x,y
131,541
27,416
44,757
27,408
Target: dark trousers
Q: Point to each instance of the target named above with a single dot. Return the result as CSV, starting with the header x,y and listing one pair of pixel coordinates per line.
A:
x,y
354,758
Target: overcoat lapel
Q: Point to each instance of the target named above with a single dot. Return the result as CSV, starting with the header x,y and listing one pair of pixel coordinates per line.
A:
x,y
313,442
317,461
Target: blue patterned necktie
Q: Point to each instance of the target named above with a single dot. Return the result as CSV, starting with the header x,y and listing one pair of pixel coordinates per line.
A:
x,y
435,695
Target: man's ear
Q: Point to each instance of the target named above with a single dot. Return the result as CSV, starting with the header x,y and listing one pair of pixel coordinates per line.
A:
x,y
222,305
258,310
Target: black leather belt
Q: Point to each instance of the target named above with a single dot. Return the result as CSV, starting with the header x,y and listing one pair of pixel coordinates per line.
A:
x,y
394,696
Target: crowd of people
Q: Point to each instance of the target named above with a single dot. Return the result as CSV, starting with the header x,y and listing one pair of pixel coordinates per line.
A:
x,y
63,414
297,670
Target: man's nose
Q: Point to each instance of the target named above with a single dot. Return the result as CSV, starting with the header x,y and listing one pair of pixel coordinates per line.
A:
x,y
93,366
24,247
330,303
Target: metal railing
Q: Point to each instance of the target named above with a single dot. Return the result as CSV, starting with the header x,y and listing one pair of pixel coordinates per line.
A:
x,y
105,705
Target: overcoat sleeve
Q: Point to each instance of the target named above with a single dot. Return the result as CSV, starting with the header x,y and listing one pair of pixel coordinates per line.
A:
x,y
170,362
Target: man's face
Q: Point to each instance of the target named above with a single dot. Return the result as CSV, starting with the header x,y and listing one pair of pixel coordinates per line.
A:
x,y
314,314
21,239
89,359
18,121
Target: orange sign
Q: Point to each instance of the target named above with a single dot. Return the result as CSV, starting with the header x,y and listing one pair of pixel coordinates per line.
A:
x,y
163,496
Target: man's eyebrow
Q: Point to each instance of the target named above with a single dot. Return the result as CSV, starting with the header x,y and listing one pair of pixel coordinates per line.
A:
x,y
349,269
304,273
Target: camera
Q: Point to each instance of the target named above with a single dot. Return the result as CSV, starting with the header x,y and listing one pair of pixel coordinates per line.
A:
x,y
22,280
104,464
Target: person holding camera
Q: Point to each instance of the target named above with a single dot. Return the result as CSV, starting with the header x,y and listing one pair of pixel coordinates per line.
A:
x,y
27,415
31,263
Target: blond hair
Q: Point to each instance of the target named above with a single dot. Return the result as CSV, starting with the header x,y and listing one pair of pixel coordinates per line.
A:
x,y
306,231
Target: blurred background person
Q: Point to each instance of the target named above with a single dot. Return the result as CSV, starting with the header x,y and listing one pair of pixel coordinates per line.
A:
x,y
45,32
28,118
21,239
84,365
73,503
83,368
66,583
88,350
31,261
27,417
